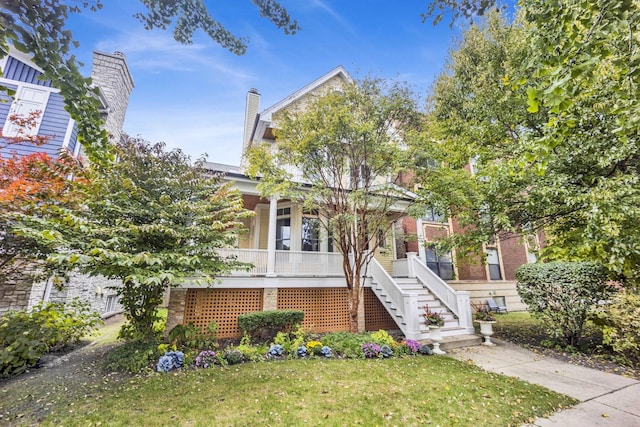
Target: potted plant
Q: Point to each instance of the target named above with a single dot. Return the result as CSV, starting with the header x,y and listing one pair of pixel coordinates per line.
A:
x,y
485,319
434,321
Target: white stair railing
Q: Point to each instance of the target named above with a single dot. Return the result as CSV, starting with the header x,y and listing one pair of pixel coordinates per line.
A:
x,y
405,303
458,302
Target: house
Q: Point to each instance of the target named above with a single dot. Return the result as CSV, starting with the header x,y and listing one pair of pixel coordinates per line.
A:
x,y
297,267
111,76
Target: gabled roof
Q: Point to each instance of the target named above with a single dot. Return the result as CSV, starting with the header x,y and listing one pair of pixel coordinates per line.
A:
x,y
339,71
263,121
24,58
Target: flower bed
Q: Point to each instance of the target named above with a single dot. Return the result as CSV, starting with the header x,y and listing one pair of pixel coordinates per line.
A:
x,y
296,345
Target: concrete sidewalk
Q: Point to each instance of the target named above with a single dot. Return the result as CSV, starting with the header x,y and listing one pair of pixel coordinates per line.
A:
x,y
607,399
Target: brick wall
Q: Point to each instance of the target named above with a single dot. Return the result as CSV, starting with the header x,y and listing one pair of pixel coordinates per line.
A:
x,y
514,254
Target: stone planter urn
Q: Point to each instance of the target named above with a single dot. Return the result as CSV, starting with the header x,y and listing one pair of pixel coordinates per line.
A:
x,y
436,336
486,330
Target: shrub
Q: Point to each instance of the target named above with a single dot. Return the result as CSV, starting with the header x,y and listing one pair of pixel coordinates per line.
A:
x,y
385,351
133,356
283,340
264,325
191,336
250,352
233,356
26,336
302,351
413,345
275,350
314,347
561,295
370,350
347,344
206,358
170,360
382,337
425,350
620,323
326,351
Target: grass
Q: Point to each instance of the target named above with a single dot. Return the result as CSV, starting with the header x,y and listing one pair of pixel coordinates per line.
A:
x,y
407,391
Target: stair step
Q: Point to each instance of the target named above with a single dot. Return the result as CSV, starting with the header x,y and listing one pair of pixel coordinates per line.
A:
x,y
456,341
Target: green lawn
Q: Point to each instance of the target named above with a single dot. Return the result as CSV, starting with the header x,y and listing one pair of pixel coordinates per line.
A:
x,y
431,390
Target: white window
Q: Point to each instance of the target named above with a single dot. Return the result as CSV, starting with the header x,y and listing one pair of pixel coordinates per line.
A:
x,y
110,305
432,215
283,229
493,260
27,100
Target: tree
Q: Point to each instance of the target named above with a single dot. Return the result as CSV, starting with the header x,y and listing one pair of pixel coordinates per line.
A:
x,y
476,114
563,158
31,185
38,28
348,147
151,220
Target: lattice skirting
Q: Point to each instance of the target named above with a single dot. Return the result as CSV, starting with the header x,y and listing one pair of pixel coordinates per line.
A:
x,y
222,306
325,309
375,315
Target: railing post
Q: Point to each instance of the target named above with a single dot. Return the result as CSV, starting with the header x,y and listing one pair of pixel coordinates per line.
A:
x,y
411,317
465,319
411,270
271,242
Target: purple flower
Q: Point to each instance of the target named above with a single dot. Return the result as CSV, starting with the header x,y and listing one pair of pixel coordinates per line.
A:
x,y
370,350
413,345
206,358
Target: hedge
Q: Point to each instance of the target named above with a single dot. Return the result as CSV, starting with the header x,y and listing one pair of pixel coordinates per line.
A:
x,y
265,324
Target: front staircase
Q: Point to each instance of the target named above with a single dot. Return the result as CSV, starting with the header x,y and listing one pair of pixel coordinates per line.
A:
x,y
405,298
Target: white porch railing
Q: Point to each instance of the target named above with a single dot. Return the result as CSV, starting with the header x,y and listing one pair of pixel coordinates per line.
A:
x,y
287,262
308,263
405,303
257,257
457,301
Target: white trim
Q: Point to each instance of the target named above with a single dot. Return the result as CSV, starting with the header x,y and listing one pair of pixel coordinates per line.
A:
x,y
19,83
275,282
3,63
67,134
24,58
259,131
10,129
76,150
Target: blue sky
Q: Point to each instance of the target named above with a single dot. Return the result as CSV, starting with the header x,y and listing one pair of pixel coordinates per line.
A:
x,y
193,97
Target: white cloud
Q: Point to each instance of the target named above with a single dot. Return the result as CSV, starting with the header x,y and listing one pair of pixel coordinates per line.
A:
x,y
215,132
155,51
320,4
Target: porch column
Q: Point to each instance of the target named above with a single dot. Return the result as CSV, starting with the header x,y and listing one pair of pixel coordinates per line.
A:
x,y
421,248
271,240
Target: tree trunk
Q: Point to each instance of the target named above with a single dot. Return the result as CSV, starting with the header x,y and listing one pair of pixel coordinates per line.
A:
x,y
352,276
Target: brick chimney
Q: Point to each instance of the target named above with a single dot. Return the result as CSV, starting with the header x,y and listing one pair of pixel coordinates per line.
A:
x,y
111,74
